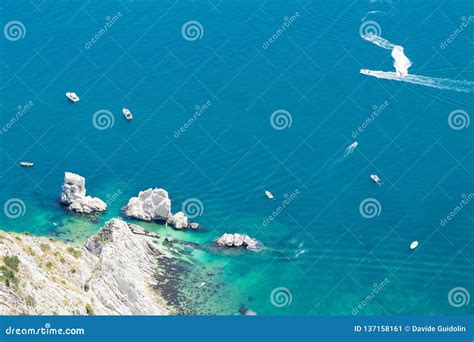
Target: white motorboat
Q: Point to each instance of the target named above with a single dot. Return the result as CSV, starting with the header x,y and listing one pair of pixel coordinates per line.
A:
x,y
72,96
269,194
26,164
127,114
414,244
376,179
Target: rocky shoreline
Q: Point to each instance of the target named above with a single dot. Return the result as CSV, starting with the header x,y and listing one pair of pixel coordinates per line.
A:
x,y
151,205
123,269
112,274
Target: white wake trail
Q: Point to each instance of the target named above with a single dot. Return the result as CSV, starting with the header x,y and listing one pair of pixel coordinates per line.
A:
x,y
400,60
402,64
434,82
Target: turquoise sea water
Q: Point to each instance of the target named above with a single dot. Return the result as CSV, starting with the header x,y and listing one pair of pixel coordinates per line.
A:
x,y
321,255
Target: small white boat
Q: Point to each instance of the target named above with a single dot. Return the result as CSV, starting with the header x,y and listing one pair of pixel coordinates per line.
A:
x,y
376,179
414,244
26,164
127,114
72,96
365,71
269,194
354,144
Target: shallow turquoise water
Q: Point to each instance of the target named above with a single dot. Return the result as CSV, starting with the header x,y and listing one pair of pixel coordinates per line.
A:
x,y
319,247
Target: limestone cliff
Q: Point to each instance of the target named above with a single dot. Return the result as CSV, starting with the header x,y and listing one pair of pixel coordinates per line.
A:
x,y
113,274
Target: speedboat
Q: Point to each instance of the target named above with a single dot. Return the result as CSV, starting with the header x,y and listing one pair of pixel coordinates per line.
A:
x,y
414,244
376,179
127,114
354,144
365,71
269,194
26,164
72,96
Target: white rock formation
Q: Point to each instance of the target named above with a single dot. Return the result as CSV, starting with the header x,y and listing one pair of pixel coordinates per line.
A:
x,y
179,220
74,196
149,205
112,275
239,240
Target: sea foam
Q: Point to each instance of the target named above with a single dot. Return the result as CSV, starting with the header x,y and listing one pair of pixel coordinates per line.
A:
x,y
434,82
402,63
400,60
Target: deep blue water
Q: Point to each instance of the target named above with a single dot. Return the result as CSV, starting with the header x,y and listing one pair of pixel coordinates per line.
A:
x,y
320,248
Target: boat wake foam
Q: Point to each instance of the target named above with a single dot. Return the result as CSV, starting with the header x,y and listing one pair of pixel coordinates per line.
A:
x,y
369,13
347,152
402,63
434,82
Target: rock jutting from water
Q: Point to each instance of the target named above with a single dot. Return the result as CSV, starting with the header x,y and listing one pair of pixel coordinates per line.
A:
x,y
149,205
74,196
155,205
239,240
178,220
114,274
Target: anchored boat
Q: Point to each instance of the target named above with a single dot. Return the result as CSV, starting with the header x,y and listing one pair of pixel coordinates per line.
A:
x,y
269,194
127,114
26,164
376,179
414,244
72,96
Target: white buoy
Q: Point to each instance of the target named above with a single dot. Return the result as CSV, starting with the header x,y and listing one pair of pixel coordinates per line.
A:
x,y
414,244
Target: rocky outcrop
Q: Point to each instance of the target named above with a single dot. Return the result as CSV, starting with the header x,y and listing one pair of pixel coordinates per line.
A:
x,y
239,240
155,205
178,220
140,231
74,196
149,205
112,275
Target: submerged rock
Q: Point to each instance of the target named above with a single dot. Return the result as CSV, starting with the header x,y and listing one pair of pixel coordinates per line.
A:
x,y
239,240
149,205
74,196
